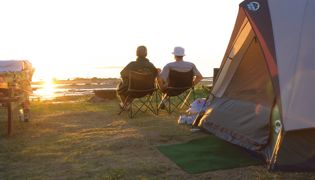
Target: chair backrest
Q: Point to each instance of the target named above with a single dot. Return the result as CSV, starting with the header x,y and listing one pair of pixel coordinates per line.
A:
x,y
179,82
140,84
179,79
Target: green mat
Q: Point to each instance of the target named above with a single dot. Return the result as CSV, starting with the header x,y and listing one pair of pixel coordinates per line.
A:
x,y
208,154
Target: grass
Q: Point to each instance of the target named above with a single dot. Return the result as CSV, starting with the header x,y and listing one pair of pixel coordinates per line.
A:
x,y
72,138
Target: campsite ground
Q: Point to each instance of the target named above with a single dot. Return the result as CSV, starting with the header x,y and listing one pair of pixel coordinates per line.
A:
x,y
73,138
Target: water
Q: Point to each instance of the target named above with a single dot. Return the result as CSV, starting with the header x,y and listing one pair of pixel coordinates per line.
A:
x,y
82,72
90,79
48,91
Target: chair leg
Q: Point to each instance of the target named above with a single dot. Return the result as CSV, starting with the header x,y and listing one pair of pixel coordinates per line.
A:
x,y
148,104
130,111
164,97
141,104
173,105
186,100
169,105
156,103
151,107
125,105
183,100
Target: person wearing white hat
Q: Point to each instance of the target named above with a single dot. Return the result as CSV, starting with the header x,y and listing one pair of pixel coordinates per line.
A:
x,y
179,65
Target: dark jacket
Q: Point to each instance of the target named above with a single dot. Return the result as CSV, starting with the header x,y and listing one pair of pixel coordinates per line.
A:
x,y
140,65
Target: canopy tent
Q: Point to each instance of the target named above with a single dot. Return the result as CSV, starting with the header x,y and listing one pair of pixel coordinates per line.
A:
x,y
264,89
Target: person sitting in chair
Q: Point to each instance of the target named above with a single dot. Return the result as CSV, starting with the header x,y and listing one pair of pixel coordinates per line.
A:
x,y
179,65
142,65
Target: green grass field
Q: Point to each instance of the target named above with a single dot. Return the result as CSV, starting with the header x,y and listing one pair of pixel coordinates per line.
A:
x,y
72,138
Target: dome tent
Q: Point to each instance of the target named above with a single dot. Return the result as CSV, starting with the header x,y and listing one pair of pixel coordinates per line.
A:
x,y
264,90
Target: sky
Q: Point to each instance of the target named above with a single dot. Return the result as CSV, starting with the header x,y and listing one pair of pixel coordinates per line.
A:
x,y
66,38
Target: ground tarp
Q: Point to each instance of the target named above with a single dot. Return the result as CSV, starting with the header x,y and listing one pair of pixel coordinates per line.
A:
x,y
208,154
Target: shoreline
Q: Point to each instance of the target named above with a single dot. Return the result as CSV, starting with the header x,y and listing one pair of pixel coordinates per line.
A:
x,y
92,80
80,86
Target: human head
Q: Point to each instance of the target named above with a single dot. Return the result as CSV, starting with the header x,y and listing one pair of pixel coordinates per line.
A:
x,y
179,51
142,51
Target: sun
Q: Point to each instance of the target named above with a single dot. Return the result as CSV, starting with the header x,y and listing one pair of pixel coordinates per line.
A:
x,y
48,90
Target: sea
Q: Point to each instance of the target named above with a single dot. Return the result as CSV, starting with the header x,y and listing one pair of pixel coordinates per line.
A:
x,y
49,90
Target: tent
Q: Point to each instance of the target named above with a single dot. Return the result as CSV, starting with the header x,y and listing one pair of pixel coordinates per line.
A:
x,y
264,92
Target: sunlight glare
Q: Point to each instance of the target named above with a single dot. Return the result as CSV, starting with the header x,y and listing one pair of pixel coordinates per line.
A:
x,y
48,89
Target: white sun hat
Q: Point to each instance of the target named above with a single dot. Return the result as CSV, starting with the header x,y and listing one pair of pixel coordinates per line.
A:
x,y
179,51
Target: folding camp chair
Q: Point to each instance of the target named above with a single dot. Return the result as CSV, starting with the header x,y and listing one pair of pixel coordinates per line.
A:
x,y
140,94
177,94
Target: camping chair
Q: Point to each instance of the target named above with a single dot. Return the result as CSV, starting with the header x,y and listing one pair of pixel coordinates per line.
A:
x,y
180,86
140,94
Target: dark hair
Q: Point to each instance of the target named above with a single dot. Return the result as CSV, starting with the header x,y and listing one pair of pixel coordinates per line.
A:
x,y
142,51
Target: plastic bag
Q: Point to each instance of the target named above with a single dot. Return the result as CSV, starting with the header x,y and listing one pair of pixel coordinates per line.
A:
x,y
197,106
192,112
